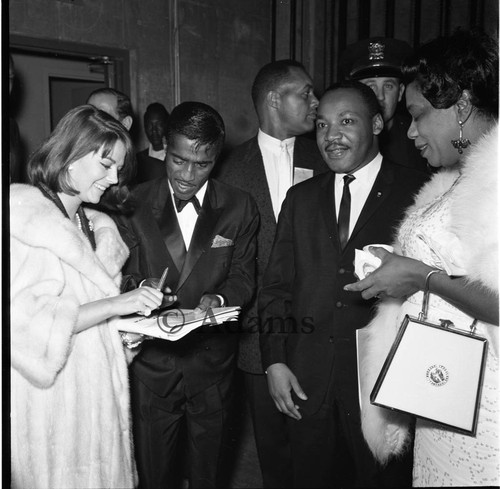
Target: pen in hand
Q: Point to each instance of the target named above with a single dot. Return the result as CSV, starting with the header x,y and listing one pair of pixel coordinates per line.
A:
x,y
162,281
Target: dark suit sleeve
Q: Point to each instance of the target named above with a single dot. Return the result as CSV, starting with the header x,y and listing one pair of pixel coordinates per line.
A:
x,y
276,294
239,286
131,273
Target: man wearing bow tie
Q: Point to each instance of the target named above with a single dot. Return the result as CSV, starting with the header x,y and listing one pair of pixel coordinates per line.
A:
x,y
309,343
204,231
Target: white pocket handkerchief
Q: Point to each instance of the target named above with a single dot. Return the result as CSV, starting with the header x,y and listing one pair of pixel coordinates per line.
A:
x,y
365,263
301,174
221,242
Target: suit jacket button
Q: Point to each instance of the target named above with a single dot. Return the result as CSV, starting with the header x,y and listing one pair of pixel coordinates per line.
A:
x,y
341,271
338,304
330,339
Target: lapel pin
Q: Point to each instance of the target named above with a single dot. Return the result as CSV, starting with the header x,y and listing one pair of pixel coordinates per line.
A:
x,y
379,194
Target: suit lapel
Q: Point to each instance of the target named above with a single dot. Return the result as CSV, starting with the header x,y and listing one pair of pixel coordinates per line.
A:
x,y
172,235
207,219
168,231
378,194
259,179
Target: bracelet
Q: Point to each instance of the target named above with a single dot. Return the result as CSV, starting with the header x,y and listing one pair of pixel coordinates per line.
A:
x,y
128,343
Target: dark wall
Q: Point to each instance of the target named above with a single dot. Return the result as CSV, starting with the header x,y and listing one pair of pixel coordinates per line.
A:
x,y
317,31
222,45
179,49
210,50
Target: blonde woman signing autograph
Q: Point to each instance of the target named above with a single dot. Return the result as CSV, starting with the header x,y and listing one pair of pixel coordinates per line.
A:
x,y
452,96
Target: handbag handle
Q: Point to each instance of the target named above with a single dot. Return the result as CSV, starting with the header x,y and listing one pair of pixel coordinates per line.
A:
x,y
422,315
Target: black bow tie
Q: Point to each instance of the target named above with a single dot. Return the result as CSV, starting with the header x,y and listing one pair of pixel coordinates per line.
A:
x,y
180,204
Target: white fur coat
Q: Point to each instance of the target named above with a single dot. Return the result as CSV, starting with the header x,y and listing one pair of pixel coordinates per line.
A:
x,y
474,220
70,424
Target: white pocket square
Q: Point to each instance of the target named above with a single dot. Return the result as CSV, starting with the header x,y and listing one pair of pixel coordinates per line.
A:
x,y
221,242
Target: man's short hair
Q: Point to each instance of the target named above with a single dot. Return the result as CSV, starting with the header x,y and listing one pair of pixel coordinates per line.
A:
x,y
157,108
366,93
271,77
123,103
199,122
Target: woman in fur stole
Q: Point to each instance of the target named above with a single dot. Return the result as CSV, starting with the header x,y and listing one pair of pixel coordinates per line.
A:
x,y
70,424
451,228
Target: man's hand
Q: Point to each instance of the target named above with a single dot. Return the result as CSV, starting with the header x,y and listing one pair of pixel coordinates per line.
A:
x,y
281,381
207,301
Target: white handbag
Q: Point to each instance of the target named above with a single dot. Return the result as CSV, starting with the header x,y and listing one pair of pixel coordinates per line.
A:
x,y
434,371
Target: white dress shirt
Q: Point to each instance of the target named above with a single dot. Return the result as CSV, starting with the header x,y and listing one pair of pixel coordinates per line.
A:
x,y
278,164
359,188
188,216
159,155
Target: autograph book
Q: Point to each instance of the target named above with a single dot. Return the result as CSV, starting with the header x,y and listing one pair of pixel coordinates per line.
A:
x,y
174,324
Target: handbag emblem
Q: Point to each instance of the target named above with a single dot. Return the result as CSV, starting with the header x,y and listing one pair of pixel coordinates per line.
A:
x,y
437,375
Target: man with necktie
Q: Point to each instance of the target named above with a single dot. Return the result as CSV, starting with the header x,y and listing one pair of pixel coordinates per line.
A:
x,y
309,343
204,231
266,166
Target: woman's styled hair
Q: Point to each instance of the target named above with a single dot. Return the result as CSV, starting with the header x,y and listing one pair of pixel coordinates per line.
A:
x,y
81,131
445,67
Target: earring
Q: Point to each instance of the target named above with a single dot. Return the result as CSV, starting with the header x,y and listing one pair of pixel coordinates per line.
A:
x,y
460,144
70,167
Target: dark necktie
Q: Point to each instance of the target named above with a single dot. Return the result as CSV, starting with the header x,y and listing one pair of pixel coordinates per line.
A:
x,y
345,212
180,204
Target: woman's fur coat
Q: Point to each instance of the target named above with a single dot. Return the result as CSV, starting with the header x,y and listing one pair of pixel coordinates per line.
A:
x,y
474,220
70,423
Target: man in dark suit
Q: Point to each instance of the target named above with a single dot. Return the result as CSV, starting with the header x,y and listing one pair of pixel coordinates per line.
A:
x,y
151,161
285,103
204,231
310,322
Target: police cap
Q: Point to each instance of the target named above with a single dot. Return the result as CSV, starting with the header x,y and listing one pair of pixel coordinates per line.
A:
x,y
377,56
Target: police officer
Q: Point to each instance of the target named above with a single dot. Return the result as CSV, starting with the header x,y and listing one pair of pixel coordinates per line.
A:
x,y
376,62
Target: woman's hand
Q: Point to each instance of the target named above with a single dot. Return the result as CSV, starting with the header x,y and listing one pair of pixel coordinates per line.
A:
x,y
142,300
397,276
168,298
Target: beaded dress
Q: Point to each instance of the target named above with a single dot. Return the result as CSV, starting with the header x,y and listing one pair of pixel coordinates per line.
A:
x,y
443,457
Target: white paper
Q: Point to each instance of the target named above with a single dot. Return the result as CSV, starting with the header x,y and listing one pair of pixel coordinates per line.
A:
x,y
173,324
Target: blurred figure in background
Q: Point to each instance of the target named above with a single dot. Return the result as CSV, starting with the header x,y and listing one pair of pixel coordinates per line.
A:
x,y
376,62
114,103
151,161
